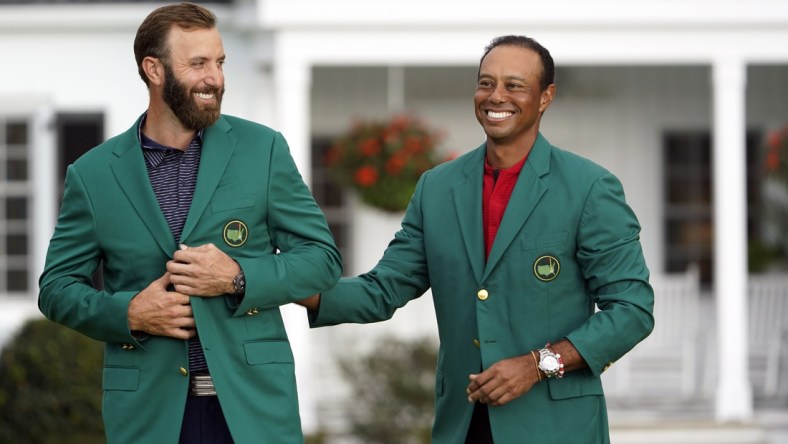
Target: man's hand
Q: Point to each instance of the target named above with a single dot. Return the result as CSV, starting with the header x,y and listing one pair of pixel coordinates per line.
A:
x,y
157,311
312,303
202,271
504,381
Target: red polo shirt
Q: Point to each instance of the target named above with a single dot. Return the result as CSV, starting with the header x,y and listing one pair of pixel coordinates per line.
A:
x,y
498,186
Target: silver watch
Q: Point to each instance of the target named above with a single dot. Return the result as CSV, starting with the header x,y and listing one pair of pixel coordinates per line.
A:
x,y
550,363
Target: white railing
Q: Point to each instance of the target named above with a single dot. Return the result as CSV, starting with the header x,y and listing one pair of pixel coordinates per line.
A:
x,y
666,362
768,321
678,360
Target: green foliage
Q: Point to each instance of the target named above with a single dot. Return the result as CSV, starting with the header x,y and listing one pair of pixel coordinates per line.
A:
x,y
318,437
393,392
50,386
761,256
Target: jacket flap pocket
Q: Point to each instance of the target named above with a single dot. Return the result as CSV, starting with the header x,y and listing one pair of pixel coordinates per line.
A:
x,y
268,352
234,203
575,386
121,378
544,241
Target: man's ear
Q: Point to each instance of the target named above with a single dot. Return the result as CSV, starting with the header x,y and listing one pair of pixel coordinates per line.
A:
x,y
546,98
154,69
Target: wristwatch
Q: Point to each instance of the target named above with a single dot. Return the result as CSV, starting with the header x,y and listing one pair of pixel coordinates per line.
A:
x,y
239,283
550,363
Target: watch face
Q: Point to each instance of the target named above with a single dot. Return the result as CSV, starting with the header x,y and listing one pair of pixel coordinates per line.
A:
x,y
549,364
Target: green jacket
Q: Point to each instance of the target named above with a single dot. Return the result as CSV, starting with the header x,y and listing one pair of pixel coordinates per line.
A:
x,y
568,243
110,218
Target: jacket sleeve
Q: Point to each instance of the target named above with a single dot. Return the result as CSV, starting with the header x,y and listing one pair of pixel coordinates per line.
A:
x,y
612,263
307,260
400,276
66,292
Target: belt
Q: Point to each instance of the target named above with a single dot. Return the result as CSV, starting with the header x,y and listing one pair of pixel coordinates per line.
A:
x,y
201,385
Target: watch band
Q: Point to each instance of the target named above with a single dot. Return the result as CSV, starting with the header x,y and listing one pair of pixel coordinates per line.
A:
x,y
551,363
239,283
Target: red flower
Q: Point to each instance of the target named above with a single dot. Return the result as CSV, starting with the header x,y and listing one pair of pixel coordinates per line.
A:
x,y
366,176
395,164
413,144
370,147
777,153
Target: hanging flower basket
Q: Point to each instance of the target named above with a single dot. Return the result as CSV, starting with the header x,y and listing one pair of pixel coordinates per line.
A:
x,y
773,238
777,155
381,161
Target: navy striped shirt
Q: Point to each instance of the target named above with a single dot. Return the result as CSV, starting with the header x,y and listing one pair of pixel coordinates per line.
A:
x,y
173,175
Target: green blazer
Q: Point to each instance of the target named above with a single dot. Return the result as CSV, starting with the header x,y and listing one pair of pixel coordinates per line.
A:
x,y
110,217
568,243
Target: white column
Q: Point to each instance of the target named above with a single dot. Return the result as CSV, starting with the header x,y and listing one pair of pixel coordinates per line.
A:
x,y
292,79
292,82
44,186
734,393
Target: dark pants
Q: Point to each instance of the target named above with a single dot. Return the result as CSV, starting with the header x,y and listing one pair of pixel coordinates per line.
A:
x,y
479,432
203,422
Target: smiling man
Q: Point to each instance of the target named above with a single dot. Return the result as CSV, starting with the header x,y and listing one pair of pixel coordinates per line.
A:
x,y
536,269
202,227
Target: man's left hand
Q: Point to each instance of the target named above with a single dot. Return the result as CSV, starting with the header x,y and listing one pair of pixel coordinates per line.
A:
x,y
202,271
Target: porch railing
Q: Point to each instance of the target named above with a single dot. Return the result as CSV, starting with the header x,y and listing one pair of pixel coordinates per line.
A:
x,y
678,360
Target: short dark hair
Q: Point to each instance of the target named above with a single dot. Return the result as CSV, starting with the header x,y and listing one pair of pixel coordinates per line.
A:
x,y
151,39
548,67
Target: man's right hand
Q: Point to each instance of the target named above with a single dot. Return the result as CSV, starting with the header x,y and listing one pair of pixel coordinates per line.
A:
x,y
160,312
312,303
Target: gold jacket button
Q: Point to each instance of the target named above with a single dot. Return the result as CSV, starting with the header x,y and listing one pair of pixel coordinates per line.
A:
x,y
482,295
183,371
252,311
476,343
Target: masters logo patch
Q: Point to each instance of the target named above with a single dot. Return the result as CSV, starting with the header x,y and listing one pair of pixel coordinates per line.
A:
x,y
546,268
235,233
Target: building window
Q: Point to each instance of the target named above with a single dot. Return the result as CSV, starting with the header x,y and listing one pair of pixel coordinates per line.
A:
x,y
15,192
331,198
687,182
77,133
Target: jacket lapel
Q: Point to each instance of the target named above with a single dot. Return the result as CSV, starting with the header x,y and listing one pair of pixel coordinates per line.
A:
x,y
467,196
526,194
217,148
132,176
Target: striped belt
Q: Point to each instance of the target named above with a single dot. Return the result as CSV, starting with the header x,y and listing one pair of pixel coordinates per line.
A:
x,y
201,385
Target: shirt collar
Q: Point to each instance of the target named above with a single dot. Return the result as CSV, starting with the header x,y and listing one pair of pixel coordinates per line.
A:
x,y
513,170
155,151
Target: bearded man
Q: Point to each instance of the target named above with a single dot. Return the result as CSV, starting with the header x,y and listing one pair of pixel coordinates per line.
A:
x,y
201,227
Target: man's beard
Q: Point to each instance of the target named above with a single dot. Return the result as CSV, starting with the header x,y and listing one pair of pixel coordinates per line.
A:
x,y
184,106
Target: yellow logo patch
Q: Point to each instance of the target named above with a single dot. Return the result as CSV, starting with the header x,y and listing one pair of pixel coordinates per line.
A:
x,y
546,268
235,233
